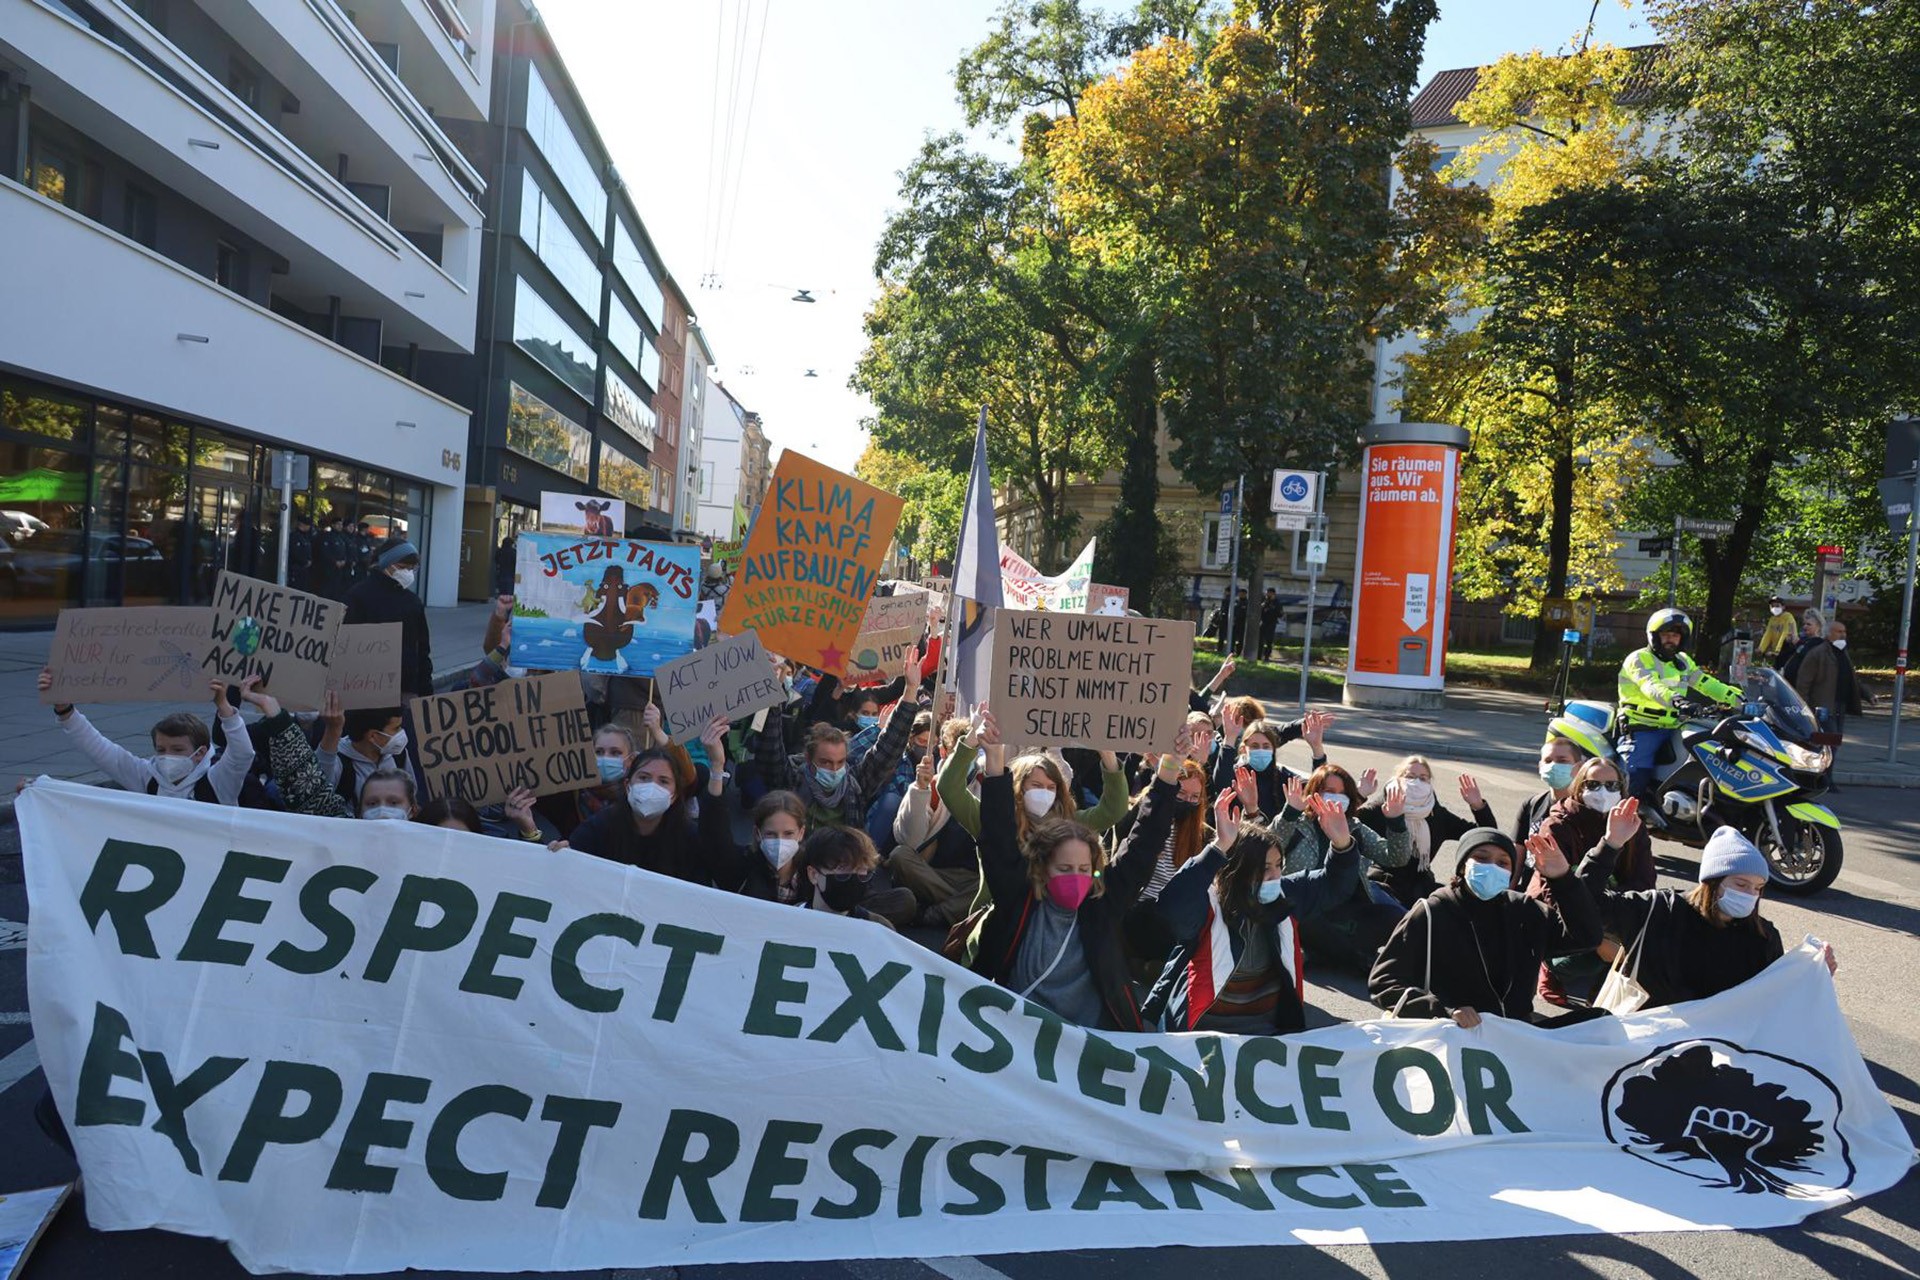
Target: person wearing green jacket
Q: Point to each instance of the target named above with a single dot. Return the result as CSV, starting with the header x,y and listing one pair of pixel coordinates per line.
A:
x,y
1039,785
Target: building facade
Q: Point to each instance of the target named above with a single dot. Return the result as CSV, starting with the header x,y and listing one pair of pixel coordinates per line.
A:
x,y
756,465
255,229
723,429
573,308
693,404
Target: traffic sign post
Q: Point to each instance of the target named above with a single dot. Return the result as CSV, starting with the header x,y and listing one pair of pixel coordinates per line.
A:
x,y
1906,614
1685,524
1230,505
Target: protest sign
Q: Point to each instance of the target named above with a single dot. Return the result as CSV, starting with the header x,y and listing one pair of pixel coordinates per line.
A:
x,y
583,516
1025,587
811,562
1081,680
436,1050
479,745
281,635
614,606
366,665
138,654
1111,601
893,625
732,677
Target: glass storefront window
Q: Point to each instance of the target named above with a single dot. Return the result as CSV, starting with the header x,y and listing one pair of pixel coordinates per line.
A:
x,y
535,429
43,543
41,414
539,331
551,133
633,268
546,231
628,410
625,477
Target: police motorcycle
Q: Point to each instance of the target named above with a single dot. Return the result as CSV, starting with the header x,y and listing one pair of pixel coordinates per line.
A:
x,y
1756,770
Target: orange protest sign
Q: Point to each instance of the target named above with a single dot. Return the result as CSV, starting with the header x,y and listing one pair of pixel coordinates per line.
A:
x,y
811,562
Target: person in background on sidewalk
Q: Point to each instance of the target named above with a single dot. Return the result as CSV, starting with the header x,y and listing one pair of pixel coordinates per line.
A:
x,y
182,765
387,596
1776,642
1828,686
1269,623
1813,633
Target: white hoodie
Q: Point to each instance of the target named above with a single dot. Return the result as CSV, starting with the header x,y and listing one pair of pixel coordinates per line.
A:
x,y
227,772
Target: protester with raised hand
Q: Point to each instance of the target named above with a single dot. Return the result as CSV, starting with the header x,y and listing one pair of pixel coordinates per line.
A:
x,y
835,791
182,766
1347,934
302,783
1429,825
1473,948
1559,757
834,871
376,739
1694,944
1592,816
1051,928
1238,967
651,829
1258,748
1042,790
1148,939
934,856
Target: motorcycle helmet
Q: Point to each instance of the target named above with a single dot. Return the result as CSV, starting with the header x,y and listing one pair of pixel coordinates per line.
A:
x,y
1670,620
1586,738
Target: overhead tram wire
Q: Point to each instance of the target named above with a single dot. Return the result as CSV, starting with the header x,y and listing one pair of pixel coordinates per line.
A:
x,y
713,123
732,208
716,216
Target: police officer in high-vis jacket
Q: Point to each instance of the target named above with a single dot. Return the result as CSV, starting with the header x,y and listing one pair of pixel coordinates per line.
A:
x,y
1651,680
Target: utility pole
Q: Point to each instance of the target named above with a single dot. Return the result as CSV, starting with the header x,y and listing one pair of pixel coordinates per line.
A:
x,y
1906,618
1229,635
1673,565
1317,534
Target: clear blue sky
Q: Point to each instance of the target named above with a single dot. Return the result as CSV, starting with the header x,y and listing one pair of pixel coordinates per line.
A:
x,y
845,92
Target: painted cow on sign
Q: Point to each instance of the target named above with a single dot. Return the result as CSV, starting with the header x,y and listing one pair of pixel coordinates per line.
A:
x,y
598,525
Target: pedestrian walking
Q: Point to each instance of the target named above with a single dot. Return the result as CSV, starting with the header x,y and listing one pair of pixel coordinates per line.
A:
x,y
387,596
1269,623
1846,691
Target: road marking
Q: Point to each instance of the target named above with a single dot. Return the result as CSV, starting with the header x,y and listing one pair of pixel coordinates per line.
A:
x,y
13,935
18,1065
962,1268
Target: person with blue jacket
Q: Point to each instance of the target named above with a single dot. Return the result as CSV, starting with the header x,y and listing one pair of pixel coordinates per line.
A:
x,y
1239,967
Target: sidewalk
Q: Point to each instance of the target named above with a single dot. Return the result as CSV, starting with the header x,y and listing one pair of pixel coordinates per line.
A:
x,y
32,744
1498,727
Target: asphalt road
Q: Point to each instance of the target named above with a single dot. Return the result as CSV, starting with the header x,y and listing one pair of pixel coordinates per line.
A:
x,y
1871,916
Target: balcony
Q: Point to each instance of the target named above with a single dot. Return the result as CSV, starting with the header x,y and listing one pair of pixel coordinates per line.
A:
x,y
94,309
164,114
437,47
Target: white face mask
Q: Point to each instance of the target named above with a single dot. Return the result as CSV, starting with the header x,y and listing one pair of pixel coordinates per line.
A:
x,y
649,799
1601,799
1419,796
779,850
174,770
1775,610
395,745
1038,802
405,578
1338,799
1839,644
385,812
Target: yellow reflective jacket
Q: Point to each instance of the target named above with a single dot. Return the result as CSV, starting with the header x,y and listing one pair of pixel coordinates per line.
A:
x,y
1649,685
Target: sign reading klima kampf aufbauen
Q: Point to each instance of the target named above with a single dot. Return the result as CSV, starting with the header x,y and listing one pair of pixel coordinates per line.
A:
x,y
425,1048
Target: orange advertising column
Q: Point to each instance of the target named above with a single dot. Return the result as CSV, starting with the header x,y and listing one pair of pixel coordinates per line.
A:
x,y
1404,565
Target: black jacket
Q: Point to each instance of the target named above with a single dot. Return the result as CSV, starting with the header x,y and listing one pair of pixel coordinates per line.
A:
x,y
707,856
1011,900
1532,813
378,598
1410,882
1682,954
1486,955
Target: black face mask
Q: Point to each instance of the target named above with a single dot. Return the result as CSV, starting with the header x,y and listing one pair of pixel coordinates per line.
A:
x,y
1181,808
916,754
842,893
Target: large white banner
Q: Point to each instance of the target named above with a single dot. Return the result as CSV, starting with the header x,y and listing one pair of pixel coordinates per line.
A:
x,y
386,1046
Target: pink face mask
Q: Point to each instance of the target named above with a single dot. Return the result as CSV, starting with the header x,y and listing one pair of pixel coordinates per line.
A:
x,y
1068,891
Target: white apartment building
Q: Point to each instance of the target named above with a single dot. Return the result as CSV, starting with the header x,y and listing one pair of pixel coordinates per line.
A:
x,y
695,391
723,431
227,228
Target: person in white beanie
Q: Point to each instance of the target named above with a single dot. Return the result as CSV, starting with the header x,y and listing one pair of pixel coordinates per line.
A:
x,y
1699,943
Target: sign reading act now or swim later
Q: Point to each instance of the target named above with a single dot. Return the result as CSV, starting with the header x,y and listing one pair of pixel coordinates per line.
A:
x,y
1089,680
811,562
434,1051
481,745
732,677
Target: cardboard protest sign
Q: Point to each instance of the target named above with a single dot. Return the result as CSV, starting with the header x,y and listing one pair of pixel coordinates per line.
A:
x,y
434,1049
615,606
732,677
811,562
480,745
584,516
140,654
1081,680
1110,601
281,635
893,625
366,665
